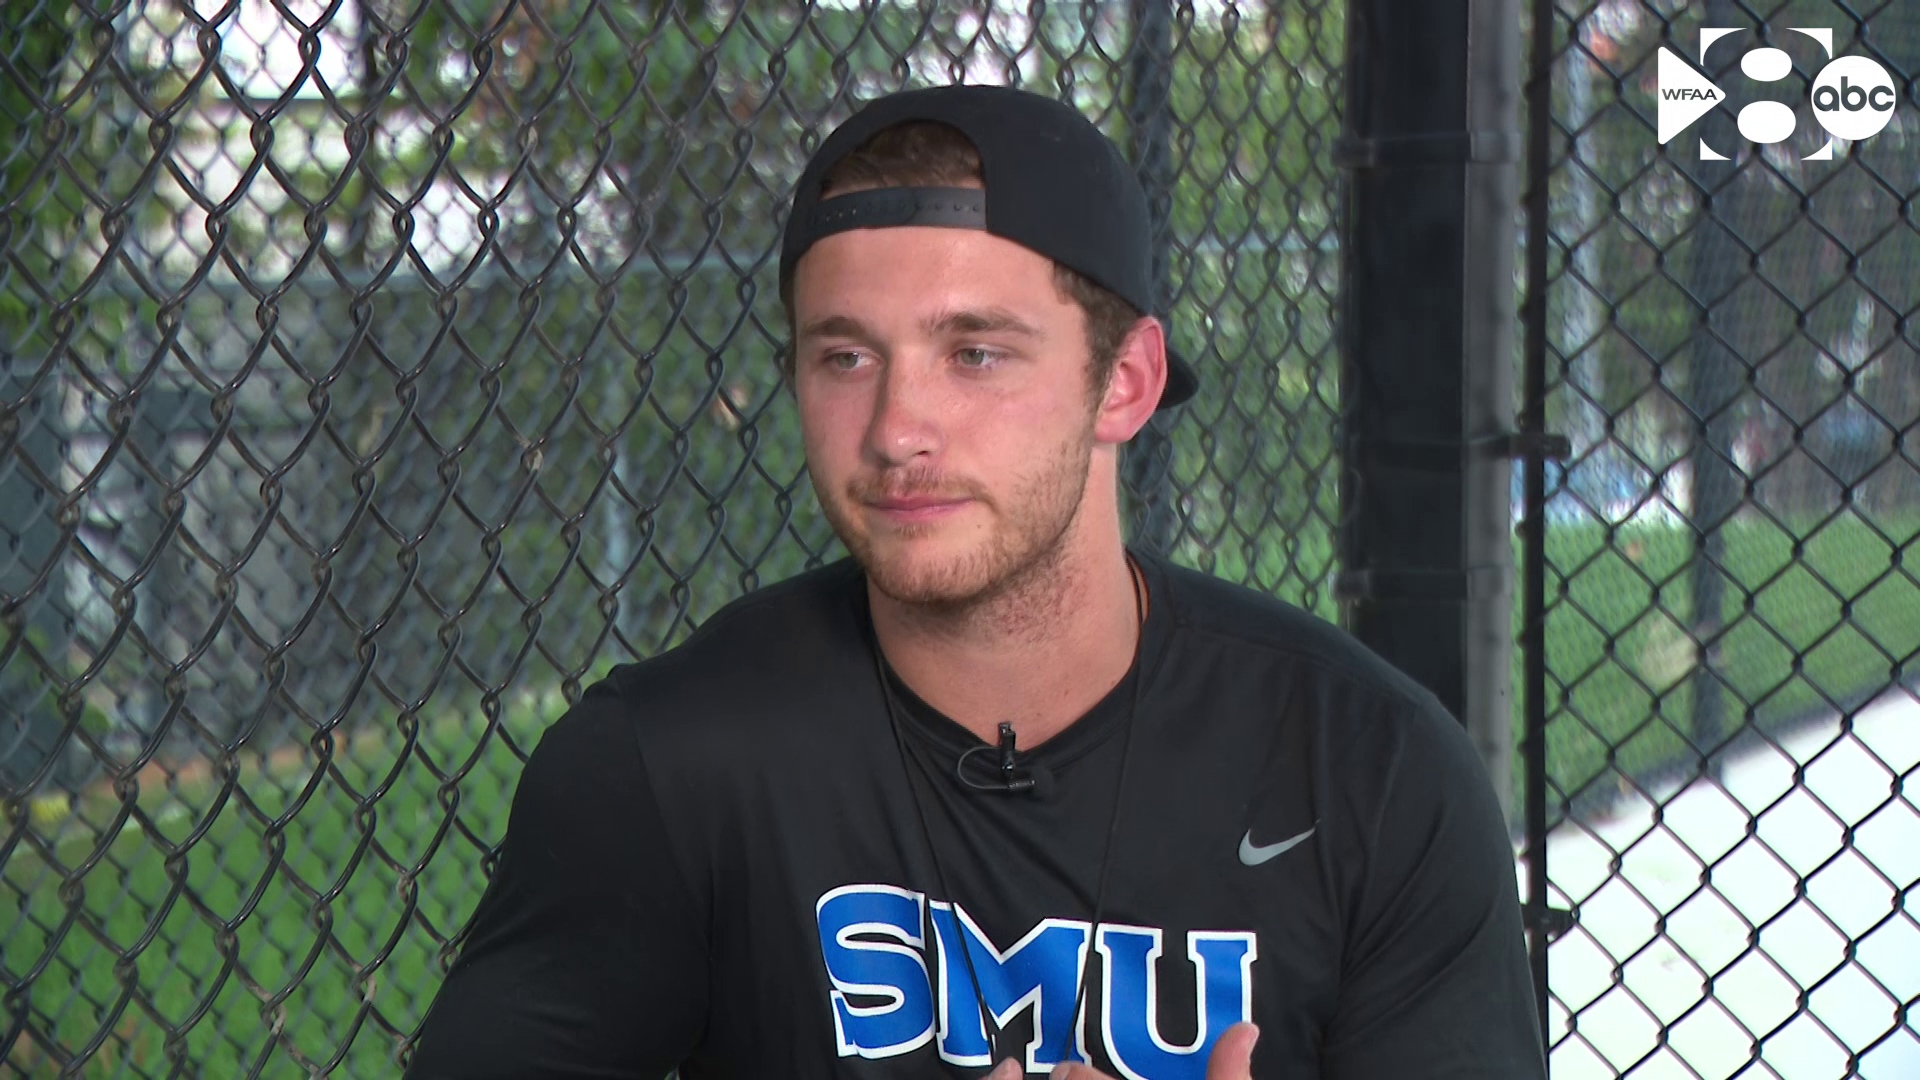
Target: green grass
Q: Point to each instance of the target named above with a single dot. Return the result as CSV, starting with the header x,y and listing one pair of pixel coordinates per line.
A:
x,y
337,918
1813,613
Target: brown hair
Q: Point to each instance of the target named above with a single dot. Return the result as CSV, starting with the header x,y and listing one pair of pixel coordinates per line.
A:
x,y
924,153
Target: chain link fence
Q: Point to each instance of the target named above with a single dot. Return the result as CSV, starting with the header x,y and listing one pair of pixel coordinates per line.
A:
x,y
1732,600
375,375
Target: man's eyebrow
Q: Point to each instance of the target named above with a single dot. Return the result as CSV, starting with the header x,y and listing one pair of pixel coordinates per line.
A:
x,y
834,326
983,321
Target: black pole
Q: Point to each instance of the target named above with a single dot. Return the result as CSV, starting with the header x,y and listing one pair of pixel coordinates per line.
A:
x,y
1147,470
1721,261
1427,320
1533,527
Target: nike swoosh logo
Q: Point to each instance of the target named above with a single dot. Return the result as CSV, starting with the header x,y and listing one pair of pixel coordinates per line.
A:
x,y
1254,854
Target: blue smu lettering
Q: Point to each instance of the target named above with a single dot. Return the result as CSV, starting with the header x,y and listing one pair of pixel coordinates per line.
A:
x,y
897,973
872,941
1223,963
1039,971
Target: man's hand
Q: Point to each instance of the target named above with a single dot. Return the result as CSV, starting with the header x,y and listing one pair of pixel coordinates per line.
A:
x,y
1232,1059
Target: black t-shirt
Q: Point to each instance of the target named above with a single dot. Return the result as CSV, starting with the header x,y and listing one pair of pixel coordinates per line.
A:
x,y
715,861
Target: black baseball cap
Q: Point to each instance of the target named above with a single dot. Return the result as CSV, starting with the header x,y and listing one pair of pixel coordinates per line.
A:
x,y
1054,185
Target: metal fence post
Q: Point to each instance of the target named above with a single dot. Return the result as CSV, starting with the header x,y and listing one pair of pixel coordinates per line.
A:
x,y
1720,264
1427,318
1533,421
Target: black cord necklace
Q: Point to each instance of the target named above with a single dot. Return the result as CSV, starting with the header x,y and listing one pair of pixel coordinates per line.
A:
x,y
1137,577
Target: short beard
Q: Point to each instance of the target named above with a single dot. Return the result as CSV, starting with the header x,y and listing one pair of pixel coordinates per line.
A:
x,y
1026,550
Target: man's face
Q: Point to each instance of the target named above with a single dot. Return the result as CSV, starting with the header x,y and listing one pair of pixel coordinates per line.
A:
x,y
944,401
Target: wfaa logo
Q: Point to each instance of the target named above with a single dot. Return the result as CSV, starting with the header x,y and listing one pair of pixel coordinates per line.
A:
x,y
1853,97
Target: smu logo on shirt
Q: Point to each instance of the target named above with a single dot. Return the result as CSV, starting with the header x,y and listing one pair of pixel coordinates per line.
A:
x,y
873,941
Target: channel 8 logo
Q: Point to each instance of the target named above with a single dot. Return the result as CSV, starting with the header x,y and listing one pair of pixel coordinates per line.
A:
x,y
1853,97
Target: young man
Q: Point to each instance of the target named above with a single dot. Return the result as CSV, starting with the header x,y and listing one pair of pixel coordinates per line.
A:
x,y
997,790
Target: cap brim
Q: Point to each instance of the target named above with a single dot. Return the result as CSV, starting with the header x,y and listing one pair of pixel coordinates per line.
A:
x,y
1181,382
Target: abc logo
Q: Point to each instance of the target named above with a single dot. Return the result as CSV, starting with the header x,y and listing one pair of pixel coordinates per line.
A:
x,y
1853,98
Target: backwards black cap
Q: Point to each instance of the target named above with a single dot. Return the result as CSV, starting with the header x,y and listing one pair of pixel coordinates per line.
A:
x,y
1054,185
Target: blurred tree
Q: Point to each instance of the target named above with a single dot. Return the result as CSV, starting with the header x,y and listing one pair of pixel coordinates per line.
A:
x,y
34,623
36,47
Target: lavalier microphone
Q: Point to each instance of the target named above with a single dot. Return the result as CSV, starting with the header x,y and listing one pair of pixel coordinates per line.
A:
x,y
1011,777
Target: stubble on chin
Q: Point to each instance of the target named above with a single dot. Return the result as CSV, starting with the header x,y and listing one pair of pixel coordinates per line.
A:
x,y
1021,551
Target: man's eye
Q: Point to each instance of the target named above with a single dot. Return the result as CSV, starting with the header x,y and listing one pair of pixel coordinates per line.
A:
x,y
843,360
976,358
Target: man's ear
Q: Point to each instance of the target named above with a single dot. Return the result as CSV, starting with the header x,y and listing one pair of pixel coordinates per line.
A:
x,y
1134,385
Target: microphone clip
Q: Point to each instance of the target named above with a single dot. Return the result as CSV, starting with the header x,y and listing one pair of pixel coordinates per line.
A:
x,y
1012,778
1008,769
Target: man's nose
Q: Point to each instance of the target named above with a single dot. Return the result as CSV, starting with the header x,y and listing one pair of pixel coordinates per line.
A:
x,y
906,413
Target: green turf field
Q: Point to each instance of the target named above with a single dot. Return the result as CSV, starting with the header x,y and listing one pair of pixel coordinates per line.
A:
x,y
1807,623
292,903
332,936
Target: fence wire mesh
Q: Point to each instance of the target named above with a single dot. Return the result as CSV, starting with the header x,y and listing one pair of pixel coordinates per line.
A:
x,y
374,375
1732,600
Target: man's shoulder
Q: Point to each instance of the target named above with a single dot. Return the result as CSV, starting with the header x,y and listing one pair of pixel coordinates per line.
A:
x,y
774,619
1334,701
763,647
1212,612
